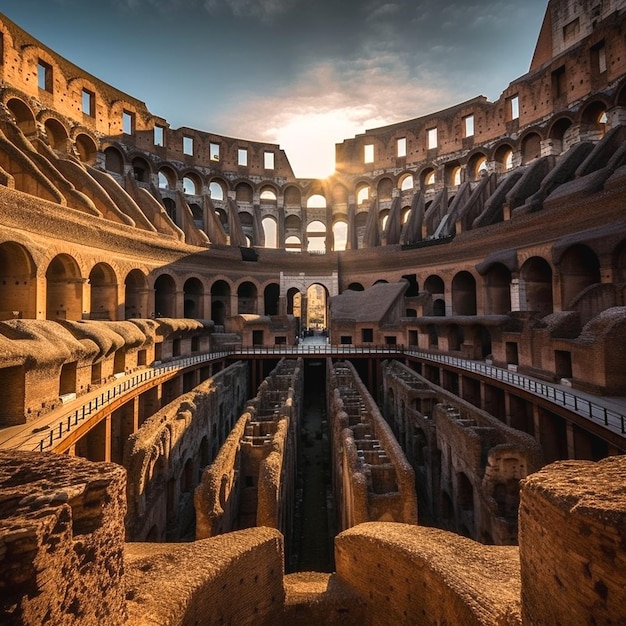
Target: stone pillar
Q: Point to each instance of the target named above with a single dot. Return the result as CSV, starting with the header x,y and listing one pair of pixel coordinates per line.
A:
x,y
518,295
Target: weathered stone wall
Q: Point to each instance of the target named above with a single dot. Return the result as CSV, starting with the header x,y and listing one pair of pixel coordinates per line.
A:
x,y
236,578
252,480
61,541
164,456
470,461
419,575
572,543
372,479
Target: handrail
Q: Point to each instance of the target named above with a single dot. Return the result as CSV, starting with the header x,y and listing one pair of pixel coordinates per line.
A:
x,y
593,411
79,415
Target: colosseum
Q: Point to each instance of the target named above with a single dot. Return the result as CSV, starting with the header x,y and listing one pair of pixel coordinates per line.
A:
x,y
393,396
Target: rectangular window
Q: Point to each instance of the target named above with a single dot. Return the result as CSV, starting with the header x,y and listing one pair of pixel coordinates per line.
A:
x,y
268,160
431,138
242,156
512,108
188,145
468,126
159,136
128,122
44,76
401,147
367,335
559,84
598,58
368,153
88,103
214,151
571,31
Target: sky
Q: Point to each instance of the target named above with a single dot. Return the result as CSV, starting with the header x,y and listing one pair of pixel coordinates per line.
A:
x,y
304,74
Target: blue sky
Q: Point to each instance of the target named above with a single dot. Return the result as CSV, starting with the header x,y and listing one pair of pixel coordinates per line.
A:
x,y
304,74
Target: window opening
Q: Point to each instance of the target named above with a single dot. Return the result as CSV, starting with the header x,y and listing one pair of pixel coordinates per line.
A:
x,y
188,145
242,156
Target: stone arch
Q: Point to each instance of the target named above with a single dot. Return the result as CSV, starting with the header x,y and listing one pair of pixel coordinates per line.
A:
x,y
340,195
18,284
435,286
503,157
64,289
464,294
293,244
536,275
217,189
593,120
271,295
406,181
86,147
103,281
293,196
428,177
135,295
452,174
268,195
220,301
558,134
247,298
384,189
243,193
270,231
316,236
114,160
530,147
165,296
356,287
340,232
193,298
192,183
57,134
293,301
316,201
166,177
497,283
579,268
476,166
141,169
362,192
23,115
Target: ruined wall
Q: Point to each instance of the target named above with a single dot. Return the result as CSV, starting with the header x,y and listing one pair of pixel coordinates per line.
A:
x,y
252,480
164,457
61,541
372,479
471,462
572,538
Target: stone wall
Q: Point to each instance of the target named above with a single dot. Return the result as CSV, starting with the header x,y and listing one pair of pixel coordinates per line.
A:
x,y
252,480
469,462
61,541
165,456
372,480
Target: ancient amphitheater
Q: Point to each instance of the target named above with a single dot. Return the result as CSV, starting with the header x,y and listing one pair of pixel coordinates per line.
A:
x,y
393,396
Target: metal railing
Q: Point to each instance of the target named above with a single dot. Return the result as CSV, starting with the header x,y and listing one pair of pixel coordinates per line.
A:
x,y
73,419
589,409
594,411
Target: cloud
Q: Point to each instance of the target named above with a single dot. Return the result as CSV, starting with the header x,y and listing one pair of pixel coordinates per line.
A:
x,y
263,9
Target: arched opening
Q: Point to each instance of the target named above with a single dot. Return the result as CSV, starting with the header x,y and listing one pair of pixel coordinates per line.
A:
x,y
593,121
193,298
243,193
247,298
340,234
464,294
18,285
293,244
433,337
271,295
293,302
216,190
356,287
406,182
579,268
619,263
86,148
536,275
141,170
428,177
316,201
114,161
498,290
435,287
477,166
270,230
362,194
64,289
504,158
531,148
192,185
57,135
166,178
293,197
456,337
482,342
439,307
170,208
220,302
23,116
558,134
135,295
165,296
385,189
103,293
316,237
268,196
316,313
